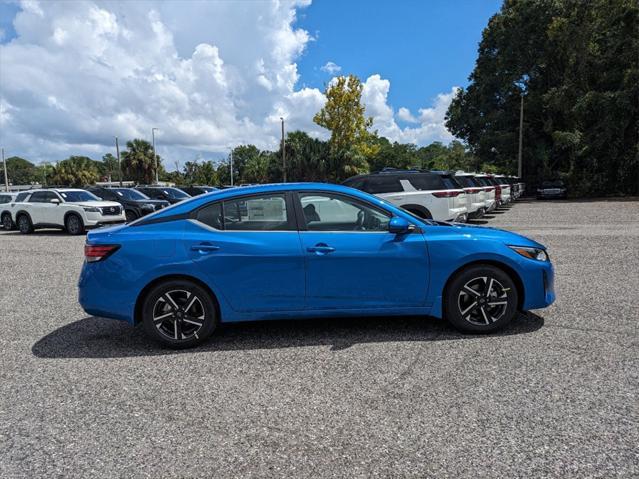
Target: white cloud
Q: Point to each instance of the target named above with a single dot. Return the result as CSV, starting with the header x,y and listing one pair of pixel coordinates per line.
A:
x,y
430,121
331,68
207,74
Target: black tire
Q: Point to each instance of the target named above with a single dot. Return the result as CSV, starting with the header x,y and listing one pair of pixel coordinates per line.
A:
x,y
130,216
421,214
74,224
7,222
470,307
192,321
24,224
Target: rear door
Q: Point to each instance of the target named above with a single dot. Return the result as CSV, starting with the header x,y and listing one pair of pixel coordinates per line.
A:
x,y
353,261
249,249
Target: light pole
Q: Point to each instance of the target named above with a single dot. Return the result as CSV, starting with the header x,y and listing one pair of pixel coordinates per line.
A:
x,y
521,137
283,152
117,152
231,165
155,157
6,178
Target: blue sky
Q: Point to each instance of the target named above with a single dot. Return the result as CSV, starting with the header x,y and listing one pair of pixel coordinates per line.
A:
x,y
212,75
422,47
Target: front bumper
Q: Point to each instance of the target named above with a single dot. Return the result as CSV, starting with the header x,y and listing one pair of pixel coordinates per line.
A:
x,y
539,285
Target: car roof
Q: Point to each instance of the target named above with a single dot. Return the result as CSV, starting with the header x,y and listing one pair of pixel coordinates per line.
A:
x,y
189,204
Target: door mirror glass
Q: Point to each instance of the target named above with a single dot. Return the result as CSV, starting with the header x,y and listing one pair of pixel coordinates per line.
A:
x,y
399,225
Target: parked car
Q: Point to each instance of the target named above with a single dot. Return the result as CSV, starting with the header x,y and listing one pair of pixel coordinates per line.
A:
x,y
197,190
71,209
489,191
167,193
7,199
135,203
505,189
475,194
305,250
554,189
425,194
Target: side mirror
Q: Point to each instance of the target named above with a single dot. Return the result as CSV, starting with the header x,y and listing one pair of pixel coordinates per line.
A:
x,y
55,201
399,225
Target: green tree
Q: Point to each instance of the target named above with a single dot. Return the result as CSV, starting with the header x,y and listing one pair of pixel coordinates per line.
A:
x,y
75,171
576,65
109,167
19,171
344,116
138,161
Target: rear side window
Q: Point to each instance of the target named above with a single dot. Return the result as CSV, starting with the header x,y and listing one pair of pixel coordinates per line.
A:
x,y
257,213
5,199
424,182
21,197
382,184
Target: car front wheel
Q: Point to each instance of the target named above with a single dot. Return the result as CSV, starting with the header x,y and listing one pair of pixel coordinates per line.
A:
x,y
179,314
481,298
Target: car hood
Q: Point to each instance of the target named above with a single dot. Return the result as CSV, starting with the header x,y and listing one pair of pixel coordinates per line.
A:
x,y
95,204
493,234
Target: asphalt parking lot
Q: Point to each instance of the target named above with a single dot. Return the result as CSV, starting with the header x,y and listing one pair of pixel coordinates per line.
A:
x,y
554,395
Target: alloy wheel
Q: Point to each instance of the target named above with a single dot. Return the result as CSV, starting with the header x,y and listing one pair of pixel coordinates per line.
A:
x,y
482,300
7,224
179,315
24,224
73,225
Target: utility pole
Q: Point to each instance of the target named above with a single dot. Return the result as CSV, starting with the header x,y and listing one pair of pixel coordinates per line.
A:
x,y
521,136
6,178
155,157
117,152
44,174
231,158
283,152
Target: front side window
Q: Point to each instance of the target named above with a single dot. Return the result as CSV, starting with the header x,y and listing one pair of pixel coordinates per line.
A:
x,y
325,212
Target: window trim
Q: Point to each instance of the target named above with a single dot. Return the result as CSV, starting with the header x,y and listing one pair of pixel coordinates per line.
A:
x,y
291,217
301,220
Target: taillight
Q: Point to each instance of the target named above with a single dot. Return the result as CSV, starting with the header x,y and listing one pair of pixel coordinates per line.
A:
x,y
446,194
497,191
472,190
98,252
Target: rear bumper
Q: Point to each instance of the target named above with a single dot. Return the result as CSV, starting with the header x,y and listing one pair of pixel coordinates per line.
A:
x,y
99,297
458,214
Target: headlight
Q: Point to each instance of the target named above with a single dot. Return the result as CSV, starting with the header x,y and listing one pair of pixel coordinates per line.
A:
x,y
531,253
90,209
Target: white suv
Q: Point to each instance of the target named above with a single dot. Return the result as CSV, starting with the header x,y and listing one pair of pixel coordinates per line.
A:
x,y
425,194
71,209
475,194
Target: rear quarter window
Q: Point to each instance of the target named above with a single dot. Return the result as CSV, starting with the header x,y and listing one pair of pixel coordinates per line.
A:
x,y
382,184
425,182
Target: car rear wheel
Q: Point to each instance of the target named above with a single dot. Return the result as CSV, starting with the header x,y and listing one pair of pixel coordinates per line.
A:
x,y
481,298
7,223
74,225
179,314
24,224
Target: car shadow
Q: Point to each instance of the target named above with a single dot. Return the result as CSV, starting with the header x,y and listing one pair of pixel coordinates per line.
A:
x,y
95,337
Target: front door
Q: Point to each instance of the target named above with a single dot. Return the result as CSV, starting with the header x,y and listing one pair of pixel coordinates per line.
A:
x,y
249,249
353,261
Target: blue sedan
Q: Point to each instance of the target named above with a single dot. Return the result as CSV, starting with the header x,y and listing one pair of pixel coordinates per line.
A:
x,y
300,251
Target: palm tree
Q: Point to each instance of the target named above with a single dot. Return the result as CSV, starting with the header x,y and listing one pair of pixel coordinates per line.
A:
x,y
75,171
138,161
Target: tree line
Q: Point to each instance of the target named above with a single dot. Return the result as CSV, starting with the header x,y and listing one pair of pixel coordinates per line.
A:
x,y
575,64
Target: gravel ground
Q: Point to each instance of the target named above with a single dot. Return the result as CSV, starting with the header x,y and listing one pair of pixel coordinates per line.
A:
x,y
554,395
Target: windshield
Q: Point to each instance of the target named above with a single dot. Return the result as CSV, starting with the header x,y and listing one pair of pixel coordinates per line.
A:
x,y
77,196
175,193
130,194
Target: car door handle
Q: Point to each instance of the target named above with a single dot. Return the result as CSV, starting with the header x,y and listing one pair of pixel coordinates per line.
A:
x,y
320,249
205,248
